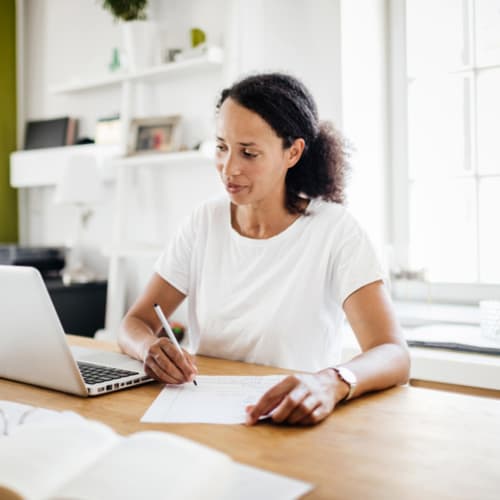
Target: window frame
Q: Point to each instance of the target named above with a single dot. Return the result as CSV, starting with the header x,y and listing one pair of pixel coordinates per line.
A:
x,y
399,214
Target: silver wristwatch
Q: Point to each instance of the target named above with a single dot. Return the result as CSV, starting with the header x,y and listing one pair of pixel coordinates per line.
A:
x,y
348,377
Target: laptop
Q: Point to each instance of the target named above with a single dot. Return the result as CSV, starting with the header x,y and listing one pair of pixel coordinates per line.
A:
x,y
34,349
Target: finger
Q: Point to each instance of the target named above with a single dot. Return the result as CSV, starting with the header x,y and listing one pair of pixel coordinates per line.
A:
x,y
182,361
292,400
169,366
192,365
178,359
158,357
154,370
272,398
191,359
161,367
316,416
304,409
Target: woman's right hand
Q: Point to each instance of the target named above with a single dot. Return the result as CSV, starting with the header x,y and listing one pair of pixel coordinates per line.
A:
x,y
163,362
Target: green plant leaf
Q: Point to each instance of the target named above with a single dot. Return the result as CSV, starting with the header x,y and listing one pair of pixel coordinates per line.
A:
x,y
126,10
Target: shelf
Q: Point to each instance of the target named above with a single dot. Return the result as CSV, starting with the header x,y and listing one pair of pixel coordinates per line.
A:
x,y
165,159
212,59
153,251
43,167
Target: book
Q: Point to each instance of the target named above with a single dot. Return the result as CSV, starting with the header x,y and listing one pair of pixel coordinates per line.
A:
x,y
50,133
61,455
87,460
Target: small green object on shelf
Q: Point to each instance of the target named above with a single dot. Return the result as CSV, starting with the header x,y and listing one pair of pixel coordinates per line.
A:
x,y
197,37
178,329
115,60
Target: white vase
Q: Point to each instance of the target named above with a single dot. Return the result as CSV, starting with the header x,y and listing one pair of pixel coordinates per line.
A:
x,y
141,43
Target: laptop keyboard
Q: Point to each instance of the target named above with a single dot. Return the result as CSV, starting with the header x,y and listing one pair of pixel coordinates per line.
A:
x,y
95,374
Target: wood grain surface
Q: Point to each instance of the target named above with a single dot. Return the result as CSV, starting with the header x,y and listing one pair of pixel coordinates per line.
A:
x,y
403,443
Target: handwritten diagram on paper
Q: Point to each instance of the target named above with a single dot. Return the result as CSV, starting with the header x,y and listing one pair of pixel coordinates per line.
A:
x,y
216,400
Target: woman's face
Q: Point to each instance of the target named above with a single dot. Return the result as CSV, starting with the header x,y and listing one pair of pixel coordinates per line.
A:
x,y
251,160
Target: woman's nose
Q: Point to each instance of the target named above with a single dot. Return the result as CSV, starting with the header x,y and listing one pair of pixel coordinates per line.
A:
x,y
230,167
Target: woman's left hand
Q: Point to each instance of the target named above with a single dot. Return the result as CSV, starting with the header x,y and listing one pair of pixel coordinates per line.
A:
x,y
300,399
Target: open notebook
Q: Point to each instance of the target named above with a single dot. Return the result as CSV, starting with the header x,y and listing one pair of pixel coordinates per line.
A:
x,y
53,455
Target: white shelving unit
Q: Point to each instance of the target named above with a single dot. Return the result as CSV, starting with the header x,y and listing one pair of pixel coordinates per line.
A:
x,y
37,168
133,251
120,251
123,167
165,159
211,59
43,167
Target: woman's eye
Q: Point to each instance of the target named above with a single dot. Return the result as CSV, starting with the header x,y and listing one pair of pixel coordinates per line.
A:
x,y
220,147
248,154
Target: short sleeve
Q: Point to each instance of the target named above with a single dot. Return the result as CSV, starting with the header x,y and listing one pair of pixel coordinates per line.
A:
x,y
356,264
174,263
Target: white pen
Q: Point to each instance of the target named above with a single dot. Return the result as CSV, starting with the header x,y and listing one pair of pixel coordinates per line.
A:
x,y
168,330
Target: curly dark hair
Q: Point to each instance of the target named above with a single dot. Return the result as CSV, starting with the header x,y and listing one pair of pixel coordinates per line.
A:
x,y
288,107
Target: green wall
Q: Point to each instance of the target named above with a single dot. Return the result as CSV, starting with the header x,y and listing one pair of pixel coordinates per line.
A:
x,y
8,196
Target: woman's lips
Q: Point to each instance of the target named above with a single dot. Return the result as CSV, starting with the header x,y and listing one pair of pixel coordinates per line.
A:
x,y
234,188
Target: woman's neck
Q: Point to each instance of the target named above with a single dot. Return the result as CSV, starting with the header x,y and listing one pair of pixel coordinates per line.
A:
x,y
262,220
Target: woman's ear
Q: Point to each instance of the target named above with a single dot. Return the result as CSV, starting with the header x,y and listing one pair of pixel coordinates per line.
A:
x,y
294,152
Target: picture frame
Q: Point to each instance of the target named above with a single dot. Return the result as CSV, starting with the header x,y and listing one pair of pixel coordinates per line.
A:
x,y
154,135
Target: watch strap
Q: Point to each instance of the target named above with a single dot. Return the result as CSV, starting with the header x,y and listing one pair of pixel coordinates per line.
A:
x,y
348,377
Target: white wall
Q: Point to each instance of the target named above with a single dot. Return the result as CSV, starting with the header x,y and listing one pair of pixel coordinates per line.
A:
x,y
365,92
296,36
67,41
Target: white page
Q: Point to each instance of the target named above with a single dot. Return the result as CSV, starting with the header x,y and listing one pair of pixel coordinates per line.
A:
x,y
37,457
16,414
154,466
251,483
216,400
168,466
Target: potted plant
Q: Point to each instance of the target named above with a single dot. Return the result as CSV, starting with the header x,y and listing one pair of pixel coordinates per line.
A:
x,y
140,36
126,10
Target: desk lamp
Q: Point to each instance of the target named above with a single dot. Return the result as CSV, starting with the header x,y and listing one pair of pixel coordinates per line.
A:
x,y
79,185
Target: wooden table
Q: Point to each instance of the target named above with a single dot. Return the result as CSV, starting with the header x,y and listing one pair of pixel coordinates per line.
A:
x,y
404,443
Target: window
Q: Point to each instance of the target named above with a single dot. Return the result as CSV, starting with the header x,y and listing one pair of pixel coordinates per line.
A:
x,y
446,125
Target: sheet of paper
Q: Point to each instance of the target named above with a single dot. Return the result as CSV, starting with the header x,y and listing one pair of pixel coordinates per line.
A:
x,y
216,400
12,415
252,483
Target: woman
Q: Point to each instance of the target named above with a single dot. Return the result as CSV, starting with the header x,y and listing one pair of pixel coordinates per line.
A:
x,y
270,272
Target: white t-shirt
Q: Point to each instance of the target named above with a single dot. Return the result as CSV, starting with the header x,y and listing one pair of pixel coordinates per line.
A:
x,y
275,301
